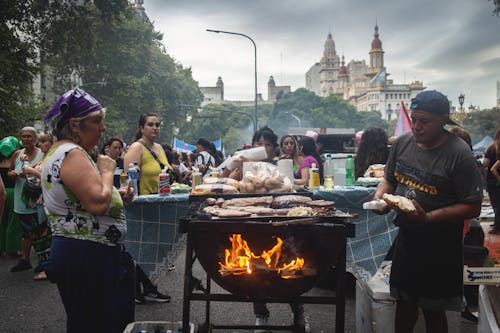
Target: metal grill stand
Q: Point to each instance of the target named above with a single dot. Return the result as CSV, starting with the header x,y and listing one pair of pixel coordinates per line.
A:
x,y
341,231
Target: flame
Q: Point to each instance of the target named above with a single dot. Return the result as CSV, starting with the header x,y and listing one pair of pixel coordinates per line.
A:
x,y
241,259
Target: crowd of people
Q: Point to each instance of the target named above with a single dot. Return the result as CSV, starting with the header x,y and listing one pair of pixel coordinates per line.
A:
x,y
76,225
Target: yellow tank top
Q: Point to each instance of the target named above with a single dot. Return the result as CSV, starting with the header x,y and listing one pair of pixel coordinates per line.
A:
x,y
150,169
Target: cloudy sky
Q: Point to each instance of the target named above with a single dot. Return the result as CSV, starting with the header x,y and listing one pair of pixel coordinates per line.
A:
x,y
451,45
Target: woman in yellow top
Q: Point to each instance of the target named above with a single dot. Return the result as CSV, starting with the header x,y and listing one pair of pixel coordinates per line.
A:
x,y
148,154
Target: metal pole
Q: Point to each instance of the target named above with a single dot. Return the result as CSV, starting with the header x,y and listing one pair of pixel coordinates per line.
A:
x,y
296,118
256,122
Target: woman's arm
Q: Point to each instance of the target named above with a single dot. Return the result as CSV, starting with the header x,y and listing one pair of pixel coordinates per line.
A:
x,y
495,168
27,170
12,168
92,187
133,155
484,169
304,177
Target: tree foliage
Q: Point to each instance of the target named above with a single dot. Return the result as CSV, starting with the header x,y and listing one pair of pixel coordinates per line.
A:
x,y
317,112
19,32
482,123
106,42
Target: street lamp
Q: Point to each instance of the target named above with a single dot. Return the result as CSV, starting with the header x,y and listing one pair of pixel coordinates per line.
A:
x,y
461,99
255,67
460,115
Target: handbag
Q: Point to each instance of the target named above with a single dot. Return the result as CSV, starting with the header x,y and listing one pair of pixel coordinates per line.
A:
x,y
31,190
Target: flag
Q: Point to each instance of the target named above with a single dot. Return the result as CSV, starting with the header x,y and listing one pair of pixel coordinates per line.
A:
x,y
380,77
183,146
218,144
403,124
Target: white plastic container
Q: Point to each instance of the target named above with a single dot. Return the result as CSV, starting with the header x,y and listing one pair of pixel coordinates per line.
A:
x,y
489,305
151,326
376,309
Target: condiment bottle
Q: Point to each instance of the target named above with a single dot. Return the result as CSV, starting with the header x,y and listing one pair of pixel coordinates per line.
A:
x,y
123,180
164,182
314,177
196,177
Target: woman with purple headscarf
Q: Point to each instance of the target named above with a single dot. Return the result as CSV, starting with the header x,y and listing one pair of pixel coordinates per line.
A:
x,y
85,212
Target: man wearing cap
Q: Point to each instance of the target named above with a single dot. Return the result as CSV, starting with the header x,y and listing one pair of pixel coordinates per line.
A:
x,y
437,171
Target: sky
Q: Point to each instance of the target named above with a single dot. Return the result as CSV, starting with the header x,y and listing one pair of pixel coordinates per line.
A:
x,y
450,45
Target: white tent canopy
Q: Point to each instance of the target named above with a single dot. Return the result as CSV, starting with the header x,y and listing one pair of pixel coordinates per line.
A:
x,y
483,144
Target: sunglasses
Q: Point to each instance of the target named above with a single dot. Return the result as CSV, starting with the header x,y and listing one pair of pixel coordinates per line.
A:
x,y
150,124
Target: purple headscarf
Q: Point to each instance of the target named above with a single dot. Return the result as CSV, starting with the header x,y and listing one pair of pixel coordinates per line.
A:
x,y
75,103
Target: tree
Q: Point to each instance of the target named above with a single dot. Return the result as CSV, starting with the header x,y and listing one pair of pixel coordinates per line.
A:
x,y
19,27
125,52
482,123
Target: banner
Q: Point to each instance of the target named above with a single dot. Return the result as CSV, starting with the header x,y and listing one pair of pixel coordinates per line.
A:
x,y
403,124
180,145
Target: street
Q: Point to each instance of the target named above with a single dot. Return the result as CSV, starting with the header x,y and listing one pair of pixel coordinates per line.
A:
x,y
34,306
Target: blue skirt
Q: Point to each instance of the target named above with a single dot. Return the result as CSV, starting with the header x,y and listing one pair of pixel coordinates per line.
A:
x,y
96,283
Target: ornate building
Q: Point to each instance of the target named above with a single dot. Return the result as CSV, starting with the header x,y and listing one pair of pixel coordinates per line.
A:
x,y
367,87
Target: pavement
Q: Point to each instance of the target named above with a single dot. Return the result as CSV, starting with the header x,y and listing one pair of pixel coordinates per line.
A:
x,y
35,306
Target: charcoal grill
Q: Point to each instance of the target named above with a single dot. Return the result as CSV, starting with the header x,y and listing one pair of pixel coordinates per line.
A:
x,y
322,245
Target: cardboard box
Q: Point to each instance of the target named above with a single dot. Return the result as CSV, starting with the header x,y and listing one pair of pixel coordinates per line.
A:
x,y
482,275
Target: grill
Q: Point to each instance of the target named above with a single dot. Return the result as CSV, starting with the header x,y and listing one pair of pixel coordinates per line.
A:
x,y
319,241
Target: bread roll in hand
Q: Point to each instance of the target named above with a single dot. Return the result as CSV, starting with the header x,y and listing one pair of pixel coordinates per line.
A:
x,y
398,201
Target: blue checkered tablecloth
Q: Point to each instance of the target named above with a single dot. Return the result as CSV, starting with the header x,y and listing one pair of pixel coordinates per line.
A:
x,y
153,228
374,233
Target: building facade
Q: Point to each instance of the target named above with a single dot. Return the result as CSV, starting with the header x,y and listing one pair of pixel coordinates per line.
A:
x,y
215,95
366,86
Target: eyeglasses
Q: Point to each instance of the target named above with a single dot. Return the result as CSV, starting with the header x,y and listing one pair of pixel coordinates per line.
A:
x,y
153,124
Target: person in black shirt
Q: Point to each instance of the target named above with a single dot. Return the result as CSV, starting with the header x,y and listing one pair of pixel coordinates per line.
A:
x,y
113,147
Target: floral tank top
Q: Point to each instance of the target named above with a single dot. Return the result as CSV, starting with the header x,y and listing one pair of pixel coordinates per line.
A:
x,y
66,214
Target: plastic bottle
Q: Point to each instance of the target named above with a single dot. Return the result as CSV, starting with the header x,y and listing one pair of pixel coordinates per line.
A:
x,y
164,182
29,177
328,173
134,176
196,177
214,172
349,171
313,177
123,180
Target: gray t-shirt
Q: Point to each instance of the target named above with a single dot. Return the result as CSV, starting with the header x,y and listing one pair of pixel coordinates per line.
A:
x,y
437,177
427,261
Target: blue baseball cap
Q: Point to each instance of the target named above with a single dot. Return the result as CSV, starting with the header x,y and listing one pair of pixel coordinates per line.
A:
x,y
432,101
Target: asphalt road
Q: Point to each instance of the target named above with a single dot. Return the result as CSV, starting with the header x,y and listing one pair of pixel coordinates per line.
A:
x,y
34,306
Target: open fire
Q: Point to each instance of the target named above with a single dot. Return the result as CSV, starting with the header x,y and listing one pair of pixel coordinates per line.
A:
x,y
240,259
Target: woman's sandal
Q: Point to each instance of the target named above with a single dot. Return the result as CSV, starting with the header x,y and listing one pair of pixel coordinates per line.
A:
x,y
40,276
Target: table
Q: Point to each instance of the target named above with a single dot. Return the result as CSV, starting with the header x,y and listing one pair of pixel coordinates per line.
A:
x,y
374,233
153,229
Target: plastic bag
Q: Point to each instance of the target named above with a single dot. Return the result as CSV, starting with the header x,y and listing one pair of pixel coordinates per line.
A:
x,y
262,177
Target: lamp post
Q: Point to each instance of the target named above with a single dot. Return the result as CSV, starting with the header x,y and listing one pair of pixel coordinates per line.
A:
x,y
295,117
255,123
460,115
